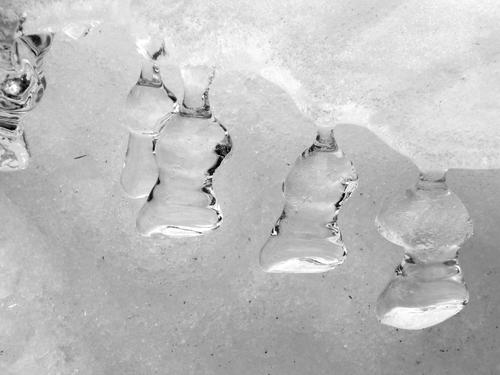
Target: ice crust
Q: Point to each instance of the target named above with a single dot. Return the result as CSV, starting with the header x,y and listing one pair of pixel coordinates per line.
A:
x,y
94,298
423,75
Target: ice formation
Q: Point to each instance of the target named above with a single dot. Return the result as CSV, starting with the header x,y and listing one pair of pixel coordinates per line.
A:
x,y
422,75
148,105
189,148
306,237
22,83
174,149
430,223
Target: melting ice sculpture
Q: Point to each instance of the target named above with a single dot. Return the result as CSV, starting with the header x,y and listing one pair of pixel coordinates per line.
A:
x,y
190,147
306,237
22,84
173,151
431,223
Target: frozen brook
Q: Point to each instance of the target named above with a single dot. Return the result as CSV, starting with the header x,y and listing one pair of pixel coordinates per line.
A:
x,y
412,89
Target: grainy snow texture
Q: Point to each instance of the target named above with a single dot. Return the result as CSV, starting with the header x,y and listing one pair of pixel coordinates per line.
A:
x,y
414,72
82,293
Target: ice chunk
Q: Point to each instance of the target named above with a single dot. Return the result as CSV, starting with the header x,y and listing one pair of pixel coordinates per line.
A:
x,y
431,223
306,237
21,86
189,149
